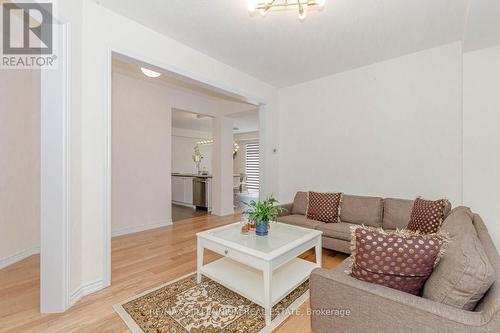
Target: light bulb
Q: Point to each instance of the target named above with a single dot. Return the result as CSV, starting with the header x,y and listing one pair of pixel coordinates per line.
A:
x,y
320,3
251,6
302,13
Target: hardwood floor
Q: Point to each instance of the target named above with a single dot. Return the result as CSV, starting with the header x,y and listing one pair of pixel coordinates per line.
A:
x,y
180,213
140,262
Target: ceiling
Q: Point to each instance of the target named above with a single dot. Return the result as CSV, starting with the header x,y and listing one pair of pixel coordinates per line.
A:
x,y
244,122
483,25
191,121
281,50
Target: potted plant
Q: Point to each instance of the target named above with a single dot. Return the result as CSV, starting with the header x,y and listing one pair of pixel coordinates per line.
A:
x,y
262,212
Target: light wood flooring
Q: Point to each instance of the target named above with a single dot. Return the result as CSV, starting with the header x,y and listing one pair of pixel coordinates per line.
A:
x,y
180,213
140,261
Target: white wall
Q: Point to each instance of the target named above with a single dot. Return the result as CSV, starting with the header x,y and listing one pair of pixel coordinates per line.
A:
x,y
388,129
182,152
141,146
19,164
183,143
482,136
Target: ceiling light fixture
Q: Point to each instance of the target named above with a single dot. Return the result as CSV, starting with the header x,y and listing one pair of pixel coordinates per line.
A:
x,y
149,72
263,6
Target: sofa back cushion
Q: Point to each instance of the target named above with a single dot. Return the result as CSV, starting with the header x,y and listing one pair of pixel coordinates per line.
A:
x,y
397,213
324,207
398,259
362,210
427,216
300,204
465,273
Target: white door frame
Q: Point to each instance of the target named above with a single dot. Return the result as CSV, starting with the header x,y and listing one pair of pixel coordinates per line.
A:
x,y
55,179
108,135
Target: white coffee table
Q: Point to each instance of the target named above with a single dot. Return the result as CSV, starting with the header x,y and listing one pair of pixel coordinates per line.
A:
x,y
263,269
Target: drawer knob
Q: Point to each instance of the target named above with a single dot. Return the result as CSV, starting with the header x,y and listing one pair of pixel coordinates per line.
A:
x,y
226,251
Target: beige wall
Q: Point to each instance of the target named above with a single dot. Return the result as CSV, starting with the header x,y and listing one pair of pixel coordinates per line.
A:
x,y
19,164
141,165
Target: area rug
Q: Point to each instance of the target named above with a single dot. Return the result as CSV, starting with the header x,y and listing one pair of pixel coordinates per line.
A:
x,y
183,306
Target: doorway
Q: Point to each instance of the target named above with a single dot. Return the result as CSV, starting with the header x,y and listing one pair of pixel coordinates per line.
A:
x,y
246,157
147,104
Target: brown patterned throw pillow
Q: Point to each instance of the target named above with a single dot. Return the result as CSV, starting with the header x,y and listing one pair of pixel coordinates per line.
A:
x,y
427,216
400,260
324,207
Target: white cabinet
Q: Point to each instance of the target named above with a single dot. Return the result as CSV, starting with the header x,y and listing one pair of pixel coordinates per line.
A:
x,y
188,190
177,189
182,190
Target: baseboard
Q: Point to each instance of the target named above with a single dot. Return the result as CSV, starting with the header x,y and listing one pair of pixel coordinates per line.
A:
x,y
85,290
131,230
183,204
223,213
7,261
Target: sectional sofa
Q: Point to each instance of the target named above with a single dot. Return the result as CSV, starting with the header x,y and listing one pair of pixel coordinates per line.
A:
x,y
341,303
389,214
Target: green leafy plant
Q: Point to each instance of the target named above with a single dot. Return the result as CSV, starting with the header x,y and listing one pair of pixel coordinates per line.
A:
x,y
262,211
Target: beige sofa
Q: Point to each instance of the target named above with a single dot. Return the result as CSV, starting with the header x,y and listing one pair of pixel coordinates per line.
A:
x,y
341,303
389,214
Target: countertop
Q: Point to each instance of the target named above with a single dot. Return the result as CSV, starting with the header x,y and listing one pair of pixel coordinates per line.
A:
x,y
178,174
175,174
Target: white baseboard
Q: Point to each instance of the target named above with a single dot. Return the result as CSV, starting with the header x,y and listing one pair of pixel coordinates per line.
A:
x,y
85,290
183,204
223,213
7,261
144,227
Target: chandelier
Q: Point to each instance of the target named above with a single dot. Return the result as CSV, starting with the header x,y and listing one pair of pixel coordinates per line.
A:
x,y
263,6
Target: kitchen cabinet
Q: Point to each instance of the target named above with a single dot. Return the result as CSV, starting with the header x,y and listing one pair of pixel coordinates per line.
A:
x,y
182,190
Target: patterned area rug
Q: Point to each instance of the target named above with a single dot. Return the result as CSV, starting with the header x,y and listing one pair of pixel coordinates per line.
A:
x,y
183,306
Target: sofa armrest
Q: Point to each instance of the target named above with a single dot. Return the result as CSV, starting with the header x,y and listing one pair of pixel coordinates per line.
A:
x,y
287,209
375,308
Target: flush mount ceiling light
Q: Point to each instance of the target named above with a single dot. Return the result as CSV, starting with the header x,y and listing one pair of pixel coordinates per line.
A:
x,y
149,72
263,6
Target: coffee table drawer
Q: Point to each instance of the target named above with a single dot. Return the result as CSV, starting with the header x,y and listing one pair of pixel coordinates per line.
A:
x,y
233,254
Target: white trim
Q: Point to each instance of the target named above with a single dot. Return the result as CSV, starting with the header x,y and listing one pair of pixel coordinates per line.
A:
x,y
178,203
7,261
139,228
108,171
55,181
67,148
85,290
222,213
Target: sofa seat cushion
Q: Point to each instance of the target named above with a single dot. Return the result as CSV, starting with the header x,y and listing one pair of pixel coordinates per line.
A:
x,y
465,273
339,230
300,220
300,204
362,210
398,260
397,213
